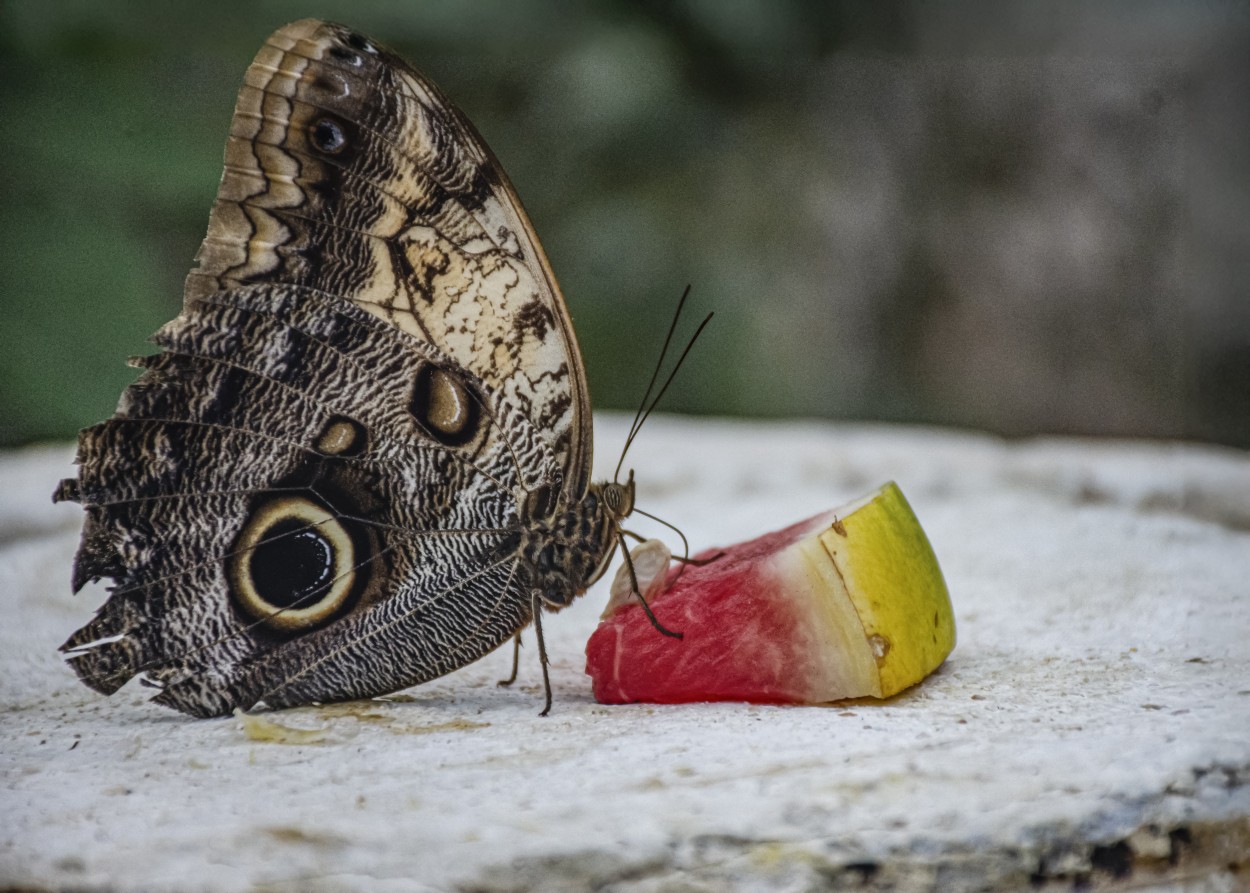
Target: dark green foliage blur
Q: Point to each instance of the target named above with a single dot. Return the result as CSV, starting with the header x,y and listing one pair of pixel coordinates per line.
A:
x,y
1019,217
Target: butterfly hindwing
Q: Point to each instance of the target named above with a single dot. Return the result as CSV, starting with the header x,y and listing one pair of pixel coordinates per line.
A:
x,y
222,430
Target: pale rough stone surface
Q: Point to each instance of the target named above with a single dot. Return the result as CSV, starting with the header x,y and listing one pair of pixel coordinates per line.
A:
x,y
1092,725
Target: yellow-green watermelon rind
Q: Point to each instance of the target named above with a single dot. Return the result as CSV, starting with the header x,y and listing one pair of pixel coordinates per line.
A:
x,y
893,579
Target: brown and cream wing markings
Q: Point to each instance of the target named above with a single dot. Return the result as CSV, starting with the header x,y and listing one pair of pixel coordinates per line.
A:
x,y
360,459
347,171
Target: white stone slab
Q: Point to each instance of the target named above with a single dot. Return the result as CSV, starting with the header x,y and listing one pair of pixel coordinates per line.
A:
x,y
1091,727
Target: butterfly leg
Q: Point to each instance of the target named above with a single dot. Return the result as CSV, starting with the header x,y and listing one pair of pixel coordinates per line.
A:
x,y
633,582
683,560
536,602
516,661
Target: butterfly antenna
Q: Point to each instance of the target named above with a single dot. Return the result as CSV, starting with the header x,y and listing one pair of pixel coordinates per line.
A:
x,y
645,409
659,363
647,413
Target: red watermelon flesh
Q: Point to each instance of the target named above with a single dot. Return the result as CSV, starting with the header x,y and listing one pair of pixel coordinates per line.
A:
x,y
741,642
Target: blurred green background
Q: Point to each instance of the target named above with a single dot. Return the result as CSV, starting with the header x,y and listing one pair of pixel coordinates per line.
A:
x,y
1015,216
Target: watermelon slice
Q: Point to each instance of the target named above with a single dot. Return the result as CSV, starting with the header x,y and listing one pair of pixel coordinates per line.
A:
x,y
847,604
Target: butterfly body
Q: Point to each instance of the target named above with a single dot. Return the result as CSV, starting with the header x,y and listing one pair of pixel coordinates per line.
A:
x,y
568,552
361,458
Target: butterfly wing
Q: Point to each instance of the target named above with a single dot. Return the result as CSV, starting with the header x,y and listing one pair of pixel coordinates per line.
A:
x,y
315,490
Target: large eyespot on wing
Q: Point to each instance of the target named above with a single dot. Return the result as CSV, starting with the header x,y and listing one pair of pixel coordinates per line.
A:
x,y
349,172
294,566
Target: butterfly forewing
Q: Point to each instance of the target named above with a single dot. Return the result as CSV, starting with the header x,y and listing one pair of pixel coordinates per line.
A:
x,y
347,171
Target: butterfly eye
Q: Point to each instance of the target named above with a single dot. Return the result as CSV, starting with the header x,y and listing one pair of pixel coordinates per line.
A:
x,y
293,566
618,499
328,136
445,406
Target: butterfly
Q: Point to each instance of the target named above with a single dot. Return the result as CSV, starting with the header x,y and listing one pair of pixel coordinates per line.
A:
x,y
361,458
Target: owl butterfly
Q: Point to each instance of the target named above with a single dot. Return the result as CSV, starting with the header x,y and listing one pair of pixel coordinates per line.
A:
x,y
362,458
